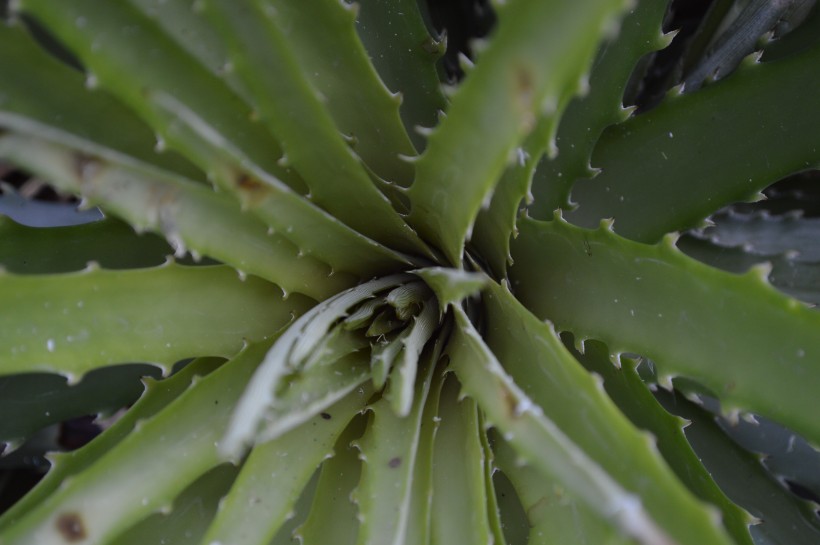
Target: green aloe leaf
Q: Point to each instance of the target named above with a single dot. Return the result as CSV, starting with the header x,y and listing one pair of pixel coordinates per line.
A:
x,y
191,216
183,20
155,462
541,443
64,466
653,300
38,400
546,372
784,518
459,507
405,55
274,475
713,125
159,66
333,516
287,103
338,67
799,279
766,234
75,322
37,250
633,397
194,111
191,513
394,492
588,115
522,76
89,120
553,517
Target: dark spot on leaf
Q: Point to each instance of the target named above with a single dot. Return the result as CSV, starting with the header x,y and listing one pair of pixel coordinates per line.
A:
x,y
394,462
326,416
246,182
70,526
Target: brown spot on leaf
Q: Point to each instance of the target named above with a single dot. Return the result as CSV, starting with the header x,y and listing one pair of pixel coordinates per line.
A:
x,y
251,190
394,462
70,525
510,402
326,416
85,166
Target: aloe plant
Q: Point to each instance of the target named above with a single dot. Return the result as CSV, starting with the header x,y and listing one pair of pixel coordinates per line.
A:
x,y
403,312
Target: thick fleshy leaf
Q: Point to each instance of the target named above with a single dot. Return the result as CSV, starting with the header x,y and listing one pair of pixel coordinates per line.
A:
x,y
784,517
729,332
89,120
37,399
713,125
289,106
191,513
633,397
64,466
394,492
588,115
333,516
274,475
796,278
460,511
553,517
522,76
38,250
154,463
338,67
765,234
405,55
537,361
75,322
541,443
195,112
288,357
190,215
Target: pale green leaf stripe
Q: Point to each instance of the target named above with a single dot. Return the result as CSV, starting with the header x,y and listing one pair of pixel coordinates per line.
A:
x,y
537,54
338,67
785,518
333,517
539,364
292,110
190,215
554,518
72,323
541,443
460,513
154,463
712,124
274,475
632,396
392,487
654,301
157,395
90,120
405,56
587,116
